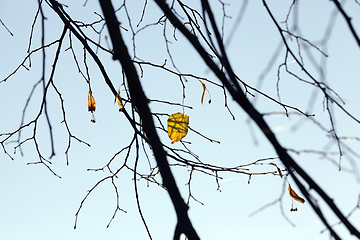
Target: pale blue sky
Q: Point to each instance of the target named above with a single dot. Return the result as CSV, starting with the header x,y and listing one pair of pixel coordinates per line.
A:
x,y
34,204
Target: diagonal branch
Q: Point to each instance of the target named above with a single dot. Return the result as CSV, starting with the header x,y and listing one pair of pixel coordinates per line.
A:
x,y
241,99
141,103
348,21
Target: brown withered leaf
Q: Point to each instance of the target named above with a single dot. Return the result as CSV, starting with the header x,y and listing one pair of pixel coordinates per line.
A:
x,y
277,169
91,102
118,100
204,91
294,196
91,106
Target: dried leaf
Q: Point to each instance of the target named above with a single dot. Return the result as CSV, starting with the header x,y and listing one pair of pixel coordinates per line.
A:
x,y
177,126
203,95
91,102
294,196
277,169
91,106
118,99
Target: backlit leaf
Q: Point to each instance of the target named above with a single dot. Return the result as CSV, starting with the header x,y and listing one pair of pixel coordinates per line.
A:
x,y
294,196
118,99
91,102
277,169
177,126
91,106
203,95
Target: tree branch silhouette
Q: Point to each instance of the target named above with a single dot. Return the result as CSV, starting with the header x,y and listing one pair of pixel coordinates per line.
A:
x,y
348,21
141,103
207,36
238,95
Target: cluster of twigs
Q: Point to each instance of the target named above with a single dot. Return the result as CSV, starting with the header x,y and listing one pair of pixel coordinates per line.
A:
x,y
201,30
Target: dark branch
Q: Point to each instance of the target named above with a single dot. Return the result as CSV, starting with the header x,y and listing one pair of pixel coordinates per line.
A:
x,y
240,98
348,21
141,103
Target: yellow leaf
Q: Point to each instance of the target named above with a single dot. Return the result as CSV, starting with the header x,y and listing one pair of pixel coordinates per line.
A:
x,y
91,106
294,196
118,99
177,126
91,102
277,169
203,95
